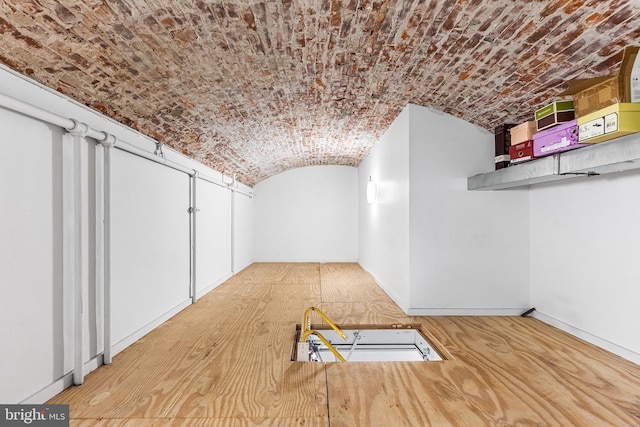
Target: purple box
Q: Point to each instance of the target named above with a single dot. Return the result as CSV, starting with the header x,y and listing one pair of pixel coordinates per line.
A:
x,y
562,137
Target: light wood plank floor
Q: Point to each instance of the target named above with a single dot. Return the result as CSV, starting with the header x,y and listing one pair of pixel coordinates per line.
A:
x,y
225,361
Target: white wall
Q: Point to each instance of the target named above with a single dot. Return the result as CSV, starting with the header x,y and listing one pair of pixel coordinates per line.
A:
x,y
584,258
150,239
31,288
243,234
307,214
433,246
150,243
213,238
384,225
465,245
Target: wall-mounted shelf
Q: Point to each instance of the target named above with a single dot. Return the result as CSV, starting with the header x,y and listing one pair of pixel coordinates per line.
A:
x,y
615,155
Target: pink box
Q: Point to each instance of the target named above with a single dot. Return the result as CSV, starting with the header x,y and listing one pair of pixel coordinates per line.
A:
x,y
562,137
523,132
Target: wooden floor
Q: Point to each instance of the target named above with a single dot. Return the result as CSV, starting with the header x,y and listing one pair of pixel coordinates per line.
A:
x,y
225,361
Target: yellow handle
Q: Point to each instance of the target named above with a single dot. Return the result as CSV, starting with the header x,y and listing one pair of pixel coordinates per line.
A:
x,y
324,340
306,326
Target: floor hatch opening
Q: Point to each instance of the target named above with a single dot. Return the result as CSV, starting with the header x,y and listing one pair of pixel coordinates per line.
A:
x,y
367,343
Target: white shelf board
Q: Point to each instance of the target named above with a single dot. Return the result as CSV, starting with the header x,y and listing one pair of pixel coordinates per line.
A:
x,y
616,155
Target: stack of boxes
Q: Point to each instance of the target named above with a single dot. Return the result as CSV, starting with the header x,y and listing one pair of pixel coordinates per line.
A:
x,y
521,148
609,107
557,129
602,108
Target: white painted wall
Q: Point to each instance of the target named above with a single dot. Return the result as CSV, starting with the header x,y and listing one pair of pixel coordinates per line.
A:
x,y
433,246
213,239
31,289
464,244
584,258
384,225
150,254
150,243
243,231
307,214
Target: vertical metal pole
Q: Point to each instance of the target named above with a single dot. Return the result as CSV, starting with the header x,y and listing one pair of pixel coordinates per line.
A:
x,y
99,236
233,225
193,210
78,372
68,236
80,268
107,144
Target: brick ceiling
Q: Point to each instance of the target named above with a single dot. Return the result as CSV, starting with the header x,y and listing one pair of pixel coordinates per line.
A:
x,y
259,87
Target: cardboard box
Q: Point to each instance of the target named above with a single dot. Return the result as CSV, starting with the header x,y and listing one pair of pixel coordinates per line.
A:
x,y
502,143
553,114
559,138
523,132
635,80
521,152
608,123
590,95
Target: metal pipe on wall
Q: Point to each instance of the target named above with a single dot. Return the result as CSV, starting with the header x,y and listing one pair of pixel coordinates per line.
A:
x,y
106,180
71,124
211,180
99,233
233,225
69,267
74,273
35,112
78,373
193,210
72,224
80,268
131,149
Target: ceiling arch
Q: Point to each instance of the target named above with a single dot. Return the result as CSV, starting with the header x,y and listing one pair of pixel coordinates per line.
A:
x,y
259,87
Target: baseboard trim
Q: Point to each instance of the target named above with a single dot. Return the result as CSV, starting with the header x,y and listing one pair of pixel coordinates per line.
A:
x,y
588,337
66,381
309,260
464,311
61,384
403,306
239,269
201,293
126,342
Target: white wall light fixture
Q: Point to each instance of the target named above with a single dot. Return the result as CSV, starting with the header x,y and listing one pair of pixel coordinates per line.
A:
x,y
372,191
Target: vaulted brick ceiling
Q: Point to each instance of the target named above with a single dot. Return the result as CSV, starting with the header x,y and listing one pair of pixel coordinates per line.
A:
x,y
258,87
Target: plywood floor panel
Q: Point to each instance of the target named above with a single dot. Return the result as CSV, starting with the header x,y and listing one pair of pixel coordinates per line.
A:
x,y
559,376
202,422
210,376
225,361
364,312
346,283
253,380
286,273
235,290
409,394
277,303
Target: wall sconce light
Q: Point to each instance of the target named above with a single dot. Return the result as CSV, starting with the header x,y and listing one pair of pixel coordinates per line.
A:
x,y
372,191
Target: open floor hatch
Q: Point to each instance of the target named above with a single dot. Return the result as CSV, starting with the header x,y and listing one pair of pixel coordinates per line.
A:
x,y
362,343
368,343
